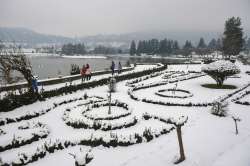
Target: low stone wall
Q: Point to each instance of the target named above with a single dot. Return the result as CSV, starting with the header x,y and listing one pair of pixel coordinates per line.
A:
x,y
58,80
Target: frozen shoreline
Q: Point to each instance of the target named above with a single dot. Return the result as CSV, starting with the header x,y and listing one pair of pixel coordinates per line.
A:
x,y
84,56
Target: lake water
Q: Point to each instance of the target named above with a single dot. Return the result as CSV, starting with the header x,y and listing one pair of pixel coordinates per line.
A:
x,y
53,66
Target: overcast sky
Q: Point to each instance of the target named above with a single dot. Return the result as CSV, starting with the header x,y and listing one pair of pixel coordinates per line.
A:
x,y
90,17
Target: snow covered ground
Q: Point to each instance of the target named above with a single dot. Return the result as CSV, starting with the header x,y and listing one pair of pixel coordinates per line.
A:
x,y
208,140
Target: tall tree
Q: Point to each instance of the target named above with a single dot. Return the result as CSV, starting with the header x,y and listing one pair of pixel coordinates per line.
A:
x,y
201,43
163,46
219,44
233,37
140,48
132,50
212,44
187,48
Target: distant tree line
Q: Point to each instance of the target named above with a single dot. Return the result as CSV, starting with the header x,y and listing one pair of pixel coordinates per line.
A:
x,y
171,47
79,49
231,43
71,49
106,50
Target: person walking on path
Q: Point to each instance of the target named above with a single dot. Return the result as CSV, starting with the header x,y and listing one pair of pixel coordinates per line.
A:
x,y
112,67
119,67
88,72
83,72
35,85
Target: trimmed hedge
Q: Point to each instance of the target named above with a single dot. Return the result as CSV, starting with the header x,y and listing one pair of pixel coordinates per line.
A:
x,y
41,112
172,96
98,123
15,101
114,141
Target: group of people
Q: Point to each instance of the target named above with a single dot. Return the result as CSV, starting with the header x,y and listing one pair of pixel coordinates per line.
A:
x,y
119,69
85,72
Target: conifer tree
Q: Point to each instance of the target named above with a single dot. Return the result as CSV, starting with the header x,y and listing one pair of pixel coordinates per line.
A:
x,y
233,37
132,48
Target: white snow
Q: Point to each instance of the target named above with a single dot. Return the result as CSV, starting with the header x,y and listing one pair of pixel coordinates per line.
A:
x,y
208,140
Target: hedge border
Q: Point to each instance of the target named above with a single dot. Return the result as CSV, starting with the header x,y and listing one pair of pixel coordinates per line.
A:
x,y
51,147
15,101
171,96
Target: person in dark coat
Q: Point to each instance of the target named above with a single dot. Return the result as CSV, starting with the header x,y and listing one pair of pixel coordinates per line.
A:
x,y
119,68
112,67
34,84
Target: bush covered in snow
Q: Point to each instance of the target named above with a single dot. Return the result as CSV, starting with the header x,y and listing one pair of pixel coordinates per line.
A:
x,y
25,134
112,84
220,70
219,108
83,158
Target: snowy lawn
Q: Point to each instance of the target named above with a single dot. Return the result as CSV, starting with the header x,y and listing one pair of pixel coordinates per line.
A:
x,y
208,140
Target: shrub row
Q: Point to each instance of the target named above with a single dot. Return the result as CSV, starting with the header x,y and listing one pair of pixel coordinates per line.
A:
x,y
131,93
19,141
14,101
237,99
40,112
110,117
96,124
113,141
180,121
137,80
159,93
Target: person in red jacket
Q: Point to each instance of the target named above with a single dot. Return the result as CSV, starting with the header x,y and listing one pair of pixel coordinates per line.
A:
x,y
83,73
88,72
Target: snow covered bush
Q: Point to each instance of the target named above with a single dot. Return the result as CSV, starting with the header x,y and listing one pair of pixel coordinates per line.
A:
x,y
219,108
81,158
24,134
220,70
112,84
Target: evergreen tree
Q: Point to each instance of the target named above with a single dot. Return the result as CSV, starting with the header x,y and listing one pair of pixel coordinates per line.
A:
x,y
201,44
219,44
188,45
212,44
176,45
163,46
187,48
139,48
132,48
233,37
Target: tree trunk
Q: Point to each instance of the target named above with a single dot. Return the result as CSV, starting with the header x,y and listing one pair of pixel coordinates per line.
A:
x,y
182,155
28,77
236,127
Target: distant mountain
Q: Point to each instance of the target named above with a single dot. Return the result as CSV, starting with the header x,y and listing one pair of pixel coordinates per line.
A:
x,y
32,38
29,37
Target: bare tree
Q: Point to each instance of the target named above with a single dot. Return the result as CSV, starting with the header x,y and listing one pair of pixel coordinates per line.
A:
x,y
13,59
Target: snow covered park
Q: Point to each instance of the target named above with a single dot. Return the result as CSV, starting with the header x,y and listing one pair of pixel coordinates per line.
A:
x,y
138,126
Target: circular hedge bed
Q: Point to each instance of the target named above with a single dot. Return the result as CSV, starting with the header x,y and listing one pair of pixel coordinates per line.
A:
x,y
174,93
91,117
